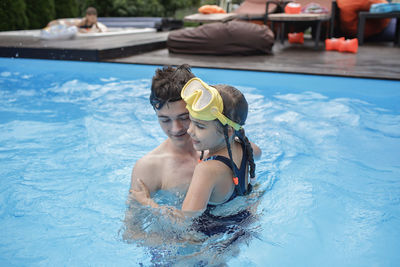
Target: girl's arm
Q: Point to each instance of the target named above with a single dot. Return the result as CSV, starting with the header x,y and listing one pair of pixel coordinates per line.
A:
x,y
204,179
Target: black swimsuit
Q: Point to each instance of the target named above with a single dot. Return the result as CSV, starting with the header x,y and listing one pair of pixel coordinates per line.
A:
x,y
210,224
240,171
86,26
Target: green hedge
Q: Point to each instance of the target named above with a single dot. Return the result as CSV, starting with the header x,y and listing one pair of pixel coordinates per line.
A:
x,y
104,7
40,12
13,15
137,8
67,9
35,14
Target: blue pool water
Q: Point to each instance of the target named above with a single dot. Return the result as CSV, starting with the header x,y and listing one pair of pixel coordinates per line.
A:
x,y
70,132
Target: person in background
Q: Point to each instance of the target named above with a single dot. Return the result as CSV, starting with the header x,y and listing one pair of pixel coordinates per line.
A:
x,y
89,22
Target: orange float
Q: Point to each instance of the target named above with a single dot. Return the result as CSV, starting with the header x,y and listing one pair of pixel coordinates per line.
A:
x,y
211,9
332,44
349,45
296,38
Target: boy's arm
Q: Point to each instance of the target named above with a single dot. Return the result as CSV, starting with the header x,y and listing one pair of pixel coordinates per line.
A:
x,y
144,172
256,151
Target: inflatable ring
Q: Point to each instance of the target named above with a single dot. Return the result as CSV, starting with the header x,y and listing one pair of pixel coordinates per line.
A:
x,y
58,32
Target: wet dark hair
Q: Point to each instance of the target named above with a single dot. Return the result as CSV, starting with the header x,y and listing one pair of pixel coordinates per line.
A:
x,y
91,11
167,84
236,109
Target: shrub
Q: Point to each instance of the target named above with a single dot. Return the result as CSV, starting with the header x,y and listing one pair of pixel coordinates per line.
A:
x,y
137,8
36,14
67,9
40,12
104,7
12,15
171,6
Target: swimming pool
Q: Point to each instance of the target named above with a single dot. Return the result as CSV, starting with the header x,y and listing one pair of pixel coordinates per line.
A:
x,y
70,133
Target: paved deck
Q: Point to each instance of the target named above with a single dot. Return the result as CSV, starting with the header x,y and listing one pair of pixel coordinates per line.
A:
x,y
373,60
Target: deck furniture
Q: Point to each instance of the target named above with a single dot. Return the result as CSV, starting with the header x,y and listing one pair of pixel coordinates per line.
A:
x,y
207,18
364,15
315,20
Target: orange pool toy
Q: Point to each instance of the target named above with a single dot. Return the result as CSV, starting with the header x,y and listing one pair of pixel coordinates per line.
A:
x,y
349,45
293,8
332,44
296,38
210,9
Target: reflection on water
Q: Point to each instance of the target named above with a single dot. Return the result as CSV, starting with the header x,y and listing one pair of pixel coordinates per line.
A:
x,y
328,181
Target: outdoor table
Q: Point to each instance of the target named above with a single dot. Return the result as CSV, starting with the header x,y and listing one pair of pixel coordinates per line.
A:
x,y
284,18
205,18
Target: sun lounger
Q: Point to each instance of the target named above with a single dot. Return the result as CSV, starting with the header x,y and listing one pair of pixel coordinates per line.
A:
x,y
256,9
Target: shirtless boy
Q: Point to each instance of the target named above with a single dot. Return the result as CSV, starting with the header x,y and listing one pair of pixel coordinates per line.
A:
x,y
171,164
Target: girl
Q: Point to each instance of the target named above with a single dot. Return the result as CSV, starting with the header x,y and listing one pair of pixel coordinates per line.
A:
x,y
217,115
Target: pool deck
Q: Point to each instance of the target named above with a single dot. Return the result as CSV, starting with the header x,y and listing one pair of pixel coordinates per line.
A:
x,y
373,60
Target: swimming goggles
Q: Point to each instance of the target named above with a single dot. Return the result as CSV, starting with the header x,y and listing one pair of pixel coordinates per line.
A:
x,y
204,102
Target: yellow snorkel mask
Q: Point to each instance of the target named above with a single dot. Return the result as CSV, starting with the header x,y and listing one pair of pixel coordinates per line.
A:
x,y
204,102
